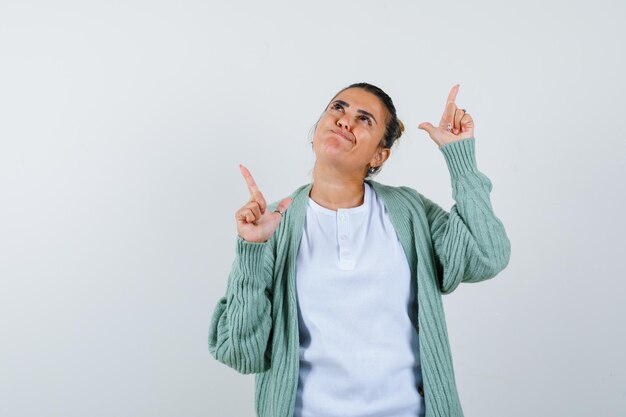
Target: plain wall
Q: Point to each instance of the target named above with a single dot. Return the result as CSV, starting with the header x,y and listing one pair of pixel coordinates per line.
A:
x,y
122,125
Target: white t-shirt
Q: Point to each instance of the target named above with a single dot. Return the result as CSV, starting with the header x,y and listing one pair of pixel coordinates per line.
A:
x,y
359,350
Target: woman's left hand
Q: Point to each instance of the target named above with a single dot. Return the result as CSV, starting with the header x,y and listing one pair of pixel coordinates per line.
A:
x,y
455,123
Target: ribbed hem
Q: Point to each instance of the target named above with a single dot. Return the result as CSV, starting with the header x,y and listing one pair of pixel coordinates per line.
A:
x,y
460,157
250,254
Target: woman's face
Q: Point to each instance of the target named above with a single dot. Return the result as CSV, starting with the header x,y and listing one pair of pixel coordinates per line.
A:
x,y
350,130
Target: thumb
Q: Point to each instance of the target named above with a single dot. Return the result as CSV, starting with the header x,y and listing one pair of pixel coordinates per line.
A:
x,y
426,126
283,206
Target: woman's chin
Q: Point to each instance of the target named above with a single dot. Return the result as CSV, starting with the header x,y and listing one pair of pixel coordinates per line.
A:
x,y
332,154
332,158
338,145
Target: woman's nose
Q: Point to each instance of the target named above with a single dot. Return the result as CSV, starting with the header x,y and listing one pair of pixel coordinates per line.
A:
x,y
344,122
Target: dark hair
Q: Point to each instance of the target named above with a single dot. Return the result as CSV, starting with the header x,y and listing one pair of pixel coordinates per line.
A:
x,y
393,126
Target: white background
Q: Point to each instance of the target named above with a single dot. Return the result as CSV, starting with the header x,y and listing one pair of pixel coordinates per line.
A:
x,y
122,124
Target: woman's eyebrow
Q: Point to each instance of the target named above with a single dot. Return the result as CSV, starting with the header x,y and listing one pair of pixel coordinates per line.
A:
x,y
343,103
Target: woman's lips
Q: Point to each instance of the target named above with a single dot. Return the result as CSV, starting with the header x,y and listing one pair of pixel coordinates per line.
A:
x,y
337,132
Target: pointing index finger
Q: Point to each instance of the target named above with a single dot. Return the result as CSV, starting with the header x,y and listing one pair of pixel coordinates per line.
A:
x,y
255,193
252,187
453,92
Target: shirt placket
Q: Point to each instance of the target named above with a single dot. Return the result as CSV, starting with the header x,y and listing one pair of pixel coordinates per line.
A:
x,y
346,260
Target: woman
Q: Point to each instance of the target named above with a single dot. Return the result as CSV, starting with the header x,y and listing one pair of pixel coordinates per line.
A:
x,y
334,296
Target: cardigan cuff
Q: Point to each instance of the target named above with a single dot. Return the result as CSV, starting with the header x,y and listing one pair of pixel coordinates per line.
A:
x,y
250,254
460,156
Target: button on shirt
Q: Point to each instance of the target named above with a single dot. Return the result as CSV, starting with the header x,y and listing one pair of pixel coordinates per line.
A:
x,y
359,348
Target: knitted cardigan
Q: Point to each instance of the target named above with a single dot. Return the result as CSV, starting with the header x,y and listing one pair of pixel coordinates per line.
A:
x,y
254,326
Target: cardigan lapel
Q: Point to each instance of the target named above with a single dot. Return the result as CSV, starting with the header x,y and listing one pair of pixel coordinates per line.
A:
x,y
402,219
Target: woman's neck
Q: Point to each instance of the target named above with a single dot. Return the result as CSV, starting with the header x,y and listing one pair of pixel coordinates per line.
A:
x,y
334,191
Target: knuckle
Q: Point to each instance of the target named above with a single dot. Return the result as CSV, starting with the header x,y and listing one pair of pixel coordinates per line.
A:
x,y
254,207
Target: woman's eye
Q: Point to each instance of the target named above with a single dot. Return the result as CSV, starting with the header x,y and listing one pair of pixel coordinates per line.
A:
x,y
337,106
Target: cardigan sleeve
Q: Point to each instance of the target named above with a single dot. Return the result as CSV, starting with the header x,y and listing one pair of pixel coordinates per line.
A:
x,y
239,333
470,242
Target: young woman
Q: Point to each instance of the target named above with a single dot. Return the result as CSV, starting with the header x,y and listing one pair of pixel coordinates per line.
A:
x,y
334,297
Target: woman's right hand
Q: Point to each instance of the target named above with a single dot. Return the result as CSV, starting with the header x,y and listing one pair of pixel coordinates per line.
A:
x,y
254,222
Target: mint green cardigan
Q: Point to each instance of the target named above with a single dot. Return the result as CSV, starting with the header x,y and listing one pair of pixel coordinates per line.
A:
x,y
254,326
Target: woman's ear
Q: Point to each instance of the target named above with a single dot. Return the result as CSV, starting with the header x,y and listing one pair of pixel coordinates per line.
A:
x,y
382,154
